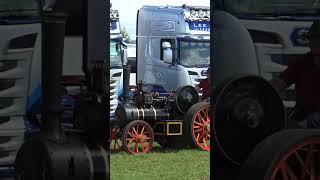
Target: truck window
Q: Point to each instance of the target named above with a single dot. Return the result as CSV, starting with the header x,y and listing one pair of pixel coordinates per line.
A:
x,y
115,55
194,53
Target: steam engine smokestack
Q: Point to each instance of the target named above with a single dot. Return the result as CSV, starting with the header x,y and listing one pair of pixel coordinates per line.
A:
x,y
126,81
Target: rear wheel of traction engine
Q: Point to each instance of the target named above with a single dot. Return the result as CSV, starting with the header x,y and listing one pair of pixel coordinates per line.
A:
x,y
137,137
197,128
286,155
115,139
115,142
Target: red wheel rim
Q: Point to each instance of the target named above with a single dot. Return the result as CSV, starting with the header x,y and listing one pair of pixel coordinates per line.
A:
x,y
201,129
299,163
115,140
139,139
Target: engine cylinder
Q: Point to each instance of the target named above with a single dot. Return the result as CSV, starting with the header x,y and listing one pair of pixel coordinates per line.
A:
x,y
128,113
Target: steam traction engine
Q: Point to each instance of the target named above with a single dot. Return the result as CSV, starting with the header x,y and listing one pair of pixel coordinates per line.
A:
x,y
175,119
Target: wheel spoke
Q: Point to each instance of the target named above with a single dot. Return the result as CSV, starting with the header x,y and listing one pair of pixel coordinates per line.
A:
x,y
129,133
201,136
206,111
204,141
300,160
142,146
312,164
208,120
136,148
202,114
290,172
202,119
129,143
198,135
206,137
304,170
135,131
195,122
138,129
284,173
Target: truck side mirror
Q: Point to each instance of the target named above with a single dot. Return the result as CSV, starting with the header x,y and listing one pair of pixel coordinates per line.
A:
x,y
124,57
167,53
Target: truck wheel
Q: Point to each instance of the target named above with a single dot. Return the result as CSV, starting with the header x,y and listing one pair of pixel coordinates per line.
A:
x,y
286,155
137,137
197,126
115,139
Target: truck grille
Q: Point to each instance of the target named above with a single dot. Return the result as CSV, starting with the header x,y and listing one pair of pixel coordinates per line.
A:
x,y
114,94
19,75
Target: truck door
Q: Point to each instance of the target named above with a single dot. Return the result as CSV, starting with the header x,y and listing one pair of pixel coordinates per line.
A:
x,y
162,73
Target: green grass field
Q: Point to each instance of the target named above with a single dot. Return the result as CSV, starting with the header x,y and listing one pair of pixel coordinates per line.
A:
x,y
161,164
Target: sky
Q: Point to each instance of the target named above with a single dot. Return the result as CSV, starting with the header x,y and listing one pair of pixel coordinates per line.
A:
x,y
128,9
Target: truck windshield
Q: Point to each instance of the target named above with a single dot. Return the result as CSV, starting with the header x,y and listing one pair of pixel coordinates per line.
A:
x,y
115,55
194,53
18,8
273,7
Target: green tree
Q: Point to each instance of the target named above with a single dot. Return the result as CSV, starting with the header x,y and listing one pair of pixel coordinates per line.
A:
x,y
125,33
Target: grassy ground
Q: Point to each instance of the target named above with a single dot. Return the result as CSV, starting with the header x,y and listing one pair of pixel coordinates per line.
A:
x,y
161,164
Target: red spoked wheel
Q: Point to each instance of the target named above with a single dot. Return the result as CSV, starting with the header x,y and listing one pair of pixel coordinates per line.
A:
x,y
197,129
115,141
138,137
287,155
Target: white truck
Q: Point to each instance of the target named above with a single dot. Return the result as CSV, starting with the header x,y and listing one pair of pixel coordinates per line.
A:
x,y
116,75
172,41
270,35
20,67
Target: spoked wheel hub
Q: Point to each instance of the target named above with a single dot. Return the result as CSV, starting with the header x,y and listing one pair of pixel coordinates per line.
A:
x,y
138,137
